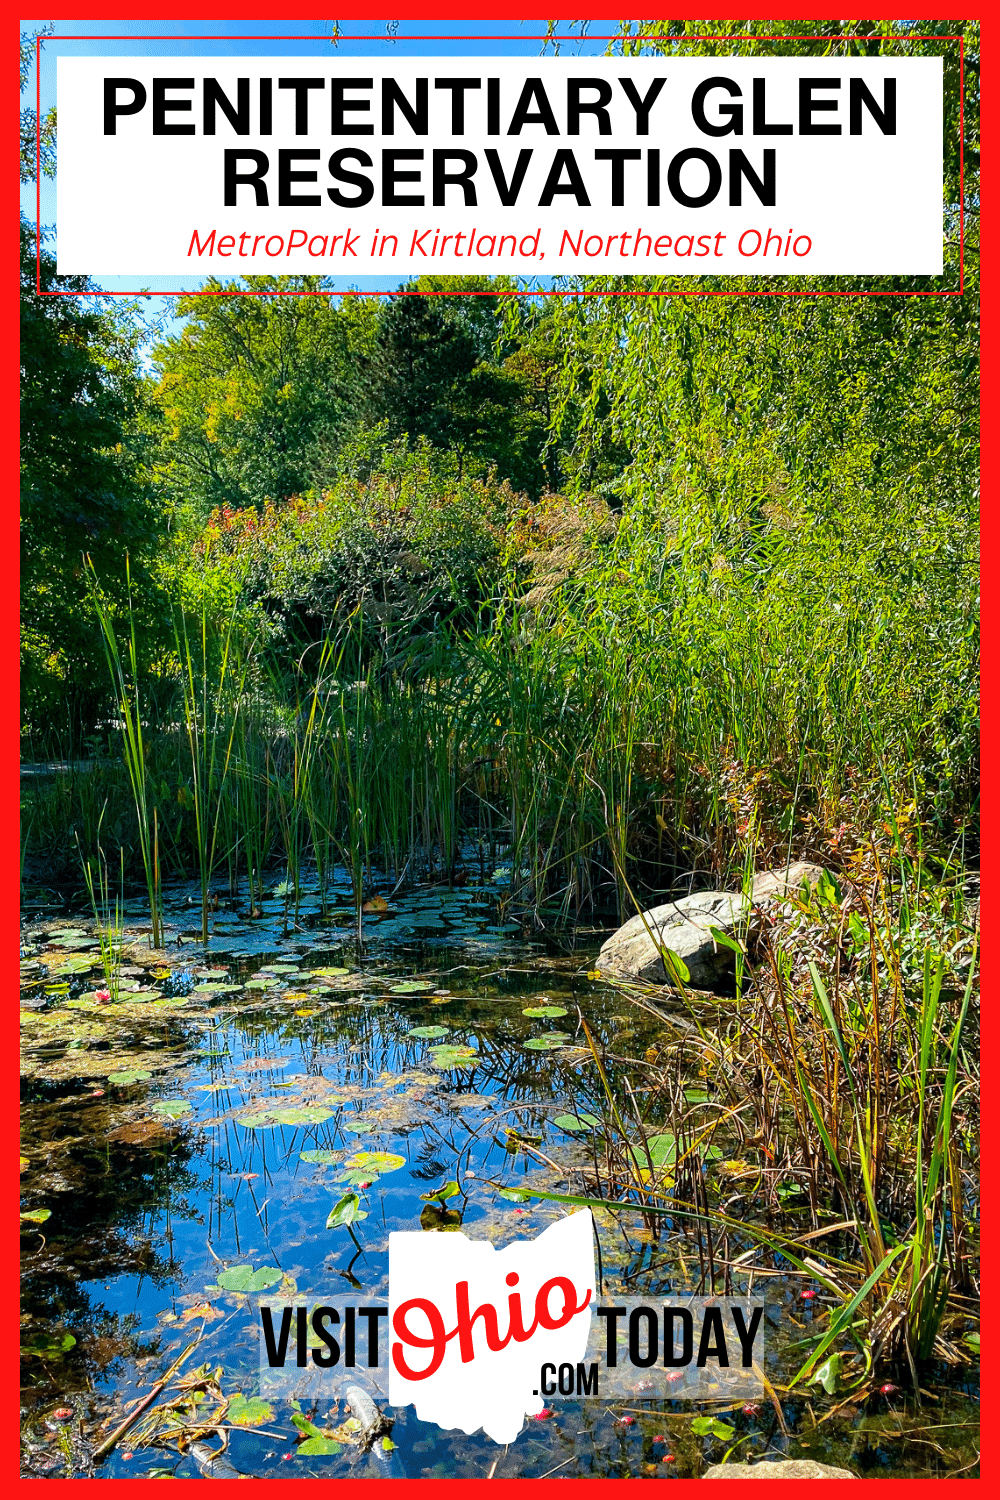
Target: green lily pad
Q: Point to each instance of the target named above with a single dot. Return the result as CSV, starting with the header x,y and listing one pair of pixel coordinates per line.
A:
x,y
318,1445
320,1158
453,1057
332,972
135,1075
446,1190
577,1122
411,987
35,1215
246,1279
308,1114
250,1411
376,1161
347,1210
545,1011
172,1108
550,1042
428,1031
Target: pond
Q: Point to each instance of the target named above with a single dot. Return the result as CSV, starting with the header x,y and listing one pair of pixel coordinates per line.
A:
x,y
210,1114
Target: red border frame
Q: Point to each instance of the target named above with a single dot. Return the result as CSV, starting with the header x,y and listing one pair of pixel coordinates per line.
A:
x,y
9,884
597,37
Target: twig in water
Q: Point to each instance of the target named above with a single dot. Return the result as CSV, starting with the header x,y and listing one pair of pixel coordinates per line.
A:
x,y
103,1449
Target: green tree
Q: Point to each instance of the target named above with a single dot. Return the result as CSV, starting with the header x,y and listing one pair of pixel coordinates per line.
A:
x,y
247,387
82,491
35,139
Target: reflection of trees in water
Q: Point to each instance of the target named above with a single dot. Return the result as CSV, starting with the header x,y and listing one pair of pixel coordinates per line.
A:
x,y
114,1203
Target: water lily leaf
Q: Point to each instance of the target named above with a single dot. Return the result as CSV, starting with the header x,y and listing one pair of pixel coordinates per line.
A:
x,y
36,1215
136,1075
576,1122
550,1042
711,1427
246,1279
347,1210
250,1411
387,1445
307,1114
303,1425
377,1161
827,1374
203,1310
319,1445
376,904
662,1149
545,1011
333,972
453,1057
172,1108
428,1031
411,987
446,1190
320,1158
696,1096
213,973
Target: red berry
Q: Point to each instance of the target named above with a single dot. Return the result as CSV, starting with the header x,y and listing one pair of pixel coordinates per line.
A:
x,y
659,1438
667,1458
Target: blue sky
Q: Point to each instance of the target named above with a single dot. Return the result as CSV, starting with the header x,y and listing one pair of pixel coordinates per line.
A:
x,y
316,39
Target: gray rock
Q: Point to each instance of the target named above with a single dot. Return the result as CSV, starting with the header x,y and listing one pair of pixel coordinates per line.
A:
x,y
792,1468
773,884
633,952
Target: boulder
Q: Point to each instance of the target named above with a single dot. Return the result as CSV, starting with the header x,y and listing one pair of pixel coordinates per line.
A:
x,y
633,952
792,1468
772,885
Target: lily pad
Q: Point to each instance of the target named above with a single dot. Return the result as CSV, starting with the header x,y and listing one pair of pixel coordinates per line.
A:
x,y
318,1445
453,1057
428,1031
172,1108
446,1190
550,1042
135,1075
577,1122
545,1011
411,987
306,1114
376,1161
250,1411
320,1158
346,1211
35,1215
332,972
246,1279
